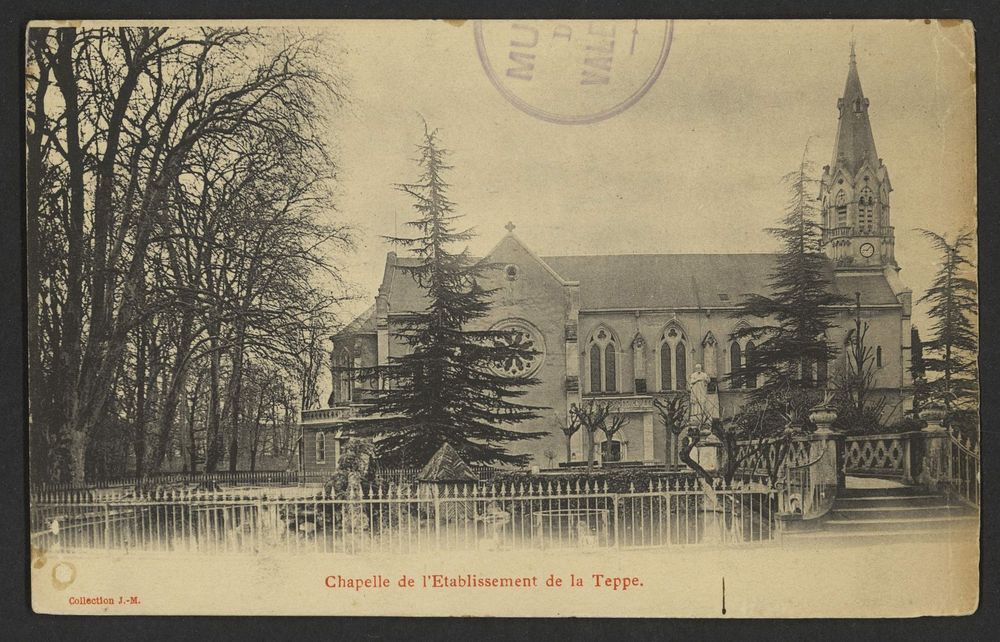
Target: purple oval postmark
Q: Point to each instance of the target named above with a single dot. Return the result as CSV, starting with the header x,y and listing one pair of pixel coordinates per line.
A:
x,y
573,72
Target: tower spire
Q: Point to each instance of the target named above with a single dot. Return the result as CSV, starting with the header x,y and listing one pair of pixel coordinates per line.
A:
x,y
855,186
855,142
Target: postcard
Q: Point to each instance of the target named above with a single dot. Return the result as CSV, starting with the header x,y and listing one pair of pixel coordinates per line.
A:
x,y
580,318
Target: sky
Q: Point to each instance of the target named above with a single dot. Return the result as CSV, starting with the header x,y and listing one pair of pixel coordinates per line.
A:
x,y
693,166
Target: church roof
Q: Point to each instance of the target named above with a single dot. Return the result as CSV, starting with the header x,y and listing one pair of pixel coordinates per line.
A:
x,y
855,142
364,323
662,281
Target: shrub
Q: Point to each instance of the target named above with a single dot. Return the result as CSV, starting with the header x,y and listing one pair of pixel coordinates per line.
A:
x,y
907,424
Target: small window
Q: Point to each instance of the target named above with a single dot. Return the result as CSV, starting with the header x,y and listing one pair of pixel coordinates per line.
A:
x,y
878,357
511,272
723,296
320,448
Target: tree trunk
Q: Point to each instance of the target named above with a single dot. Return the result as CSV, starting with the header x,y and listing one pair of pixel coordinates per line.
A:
x,y
591,443
38,396
192,444
176,382
235,400
139,428
72,321
213,438
255,440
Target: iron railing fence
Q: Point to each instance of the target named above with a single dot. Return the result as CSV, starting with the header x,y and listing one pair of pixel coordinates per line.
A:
x,y
411,519
963,469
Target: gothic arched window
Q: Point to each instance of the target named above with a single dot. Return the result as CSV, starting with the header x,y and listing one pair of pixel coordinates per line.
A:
x,y
841,205
735,363
878,357
603,357
673,359
866,210
609,368
682,378
884,208
666,368
595,368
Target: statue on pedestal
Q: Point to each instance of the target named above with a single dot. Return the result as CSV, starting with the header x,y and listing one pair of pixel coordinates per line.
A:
x,y
704,405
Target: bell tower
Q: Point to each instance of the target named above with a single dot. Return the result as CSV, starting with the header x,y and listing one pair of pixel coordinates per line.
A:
x,y
854,189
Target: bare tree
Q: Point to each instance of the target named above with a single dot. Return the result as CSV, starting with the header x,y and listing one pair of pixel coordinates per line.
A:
x,y
594,416
161,164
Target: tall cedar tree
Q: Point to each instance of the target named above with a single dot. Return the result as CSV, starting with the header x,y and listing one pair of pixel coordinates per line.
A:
x,y
444,390
918,369
790,336
951,354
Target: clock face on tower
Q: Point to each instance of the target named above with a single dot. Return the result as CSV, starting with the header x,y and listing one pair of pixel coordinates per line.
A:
x,y
867,249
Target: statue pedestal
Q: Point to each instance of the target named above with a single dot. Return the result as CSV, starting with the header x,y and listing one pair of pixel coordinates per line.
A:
x,y
706,453
935,462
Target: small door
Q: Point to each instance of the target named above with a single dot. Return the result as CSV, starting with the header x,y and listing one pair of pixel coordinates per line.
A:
x,y
611,451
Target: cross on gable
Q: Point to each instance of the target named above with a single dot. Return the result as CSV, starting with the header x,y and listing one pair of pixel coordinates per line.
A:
x,y
509,227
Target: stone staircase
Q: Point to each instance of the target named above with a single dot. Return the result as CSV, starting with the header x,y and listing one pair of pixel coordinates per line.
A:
x,y
890,512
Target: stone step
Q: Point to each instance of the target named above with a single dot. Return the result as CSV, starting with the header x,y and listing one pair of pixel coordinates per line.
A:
x,y
892,500
903,510
881,492
877,537
837,522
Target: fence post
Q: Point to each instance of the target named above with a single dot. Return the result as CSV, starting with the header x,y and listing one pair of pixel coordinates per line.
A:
x,y
907,458
107,526
437,518
260,523
618,539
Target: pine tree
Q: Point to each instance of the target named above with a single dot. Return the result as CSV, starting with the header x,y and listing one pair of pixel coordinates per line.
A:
x,y
445,390
790,335
951,354
918,369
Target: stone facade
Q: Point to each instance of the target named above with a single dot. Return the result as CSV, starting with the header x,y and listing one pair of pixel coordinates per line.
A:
x,y
626,329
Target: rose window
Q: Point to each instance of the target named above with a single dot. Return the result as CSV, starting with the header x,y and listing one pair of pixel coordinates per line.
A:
x,y
526,338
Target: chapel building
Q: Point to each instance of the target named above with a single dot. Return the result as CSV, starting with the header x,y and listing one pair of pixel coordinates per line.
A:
x,y
626,329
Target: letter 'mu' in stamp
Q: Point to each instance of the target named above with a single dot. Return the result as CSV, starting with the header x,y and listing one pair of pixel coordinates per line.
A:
x,y
573,72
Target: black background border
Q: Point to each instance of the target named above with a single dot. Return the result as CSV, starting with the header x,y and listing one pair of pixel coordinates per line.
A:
x,y
18,622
